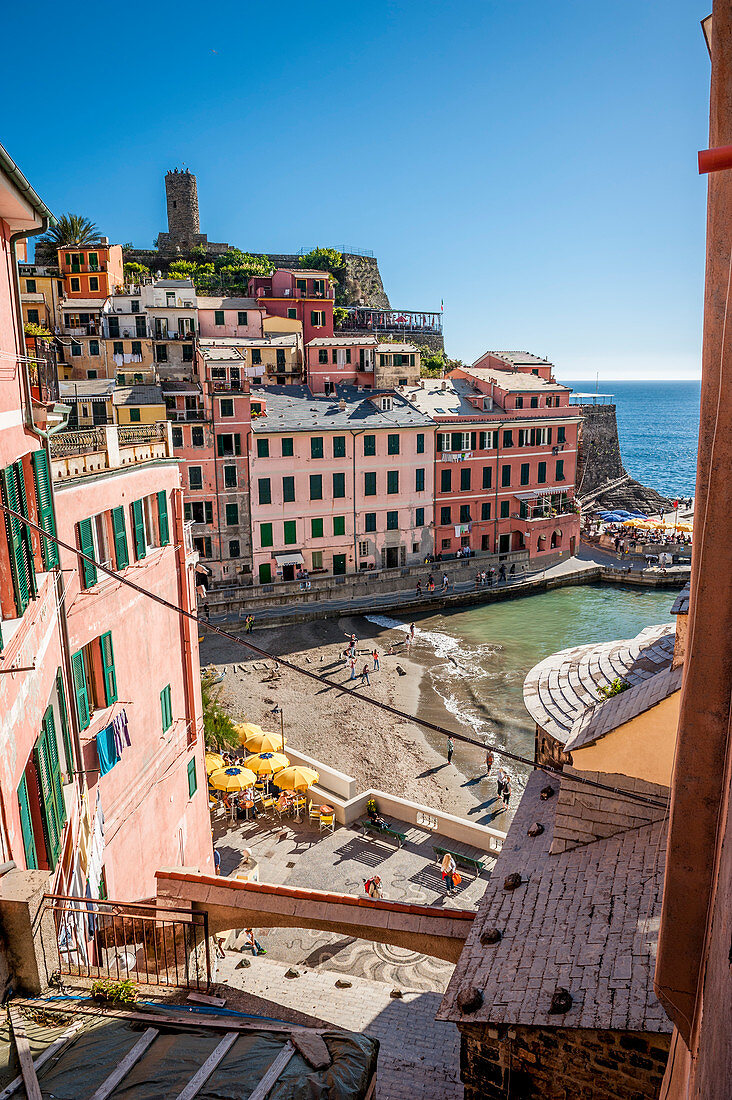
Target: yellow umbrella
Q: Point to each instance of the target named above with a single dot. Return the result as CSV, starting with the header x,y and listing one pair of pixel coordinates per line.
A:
x,y
246,729
264,742
214,761
267,763
296,778
233,778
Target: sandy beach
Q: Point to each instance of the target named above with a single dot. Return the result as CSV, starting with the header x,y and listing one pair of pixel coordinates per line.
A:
x,y
336,726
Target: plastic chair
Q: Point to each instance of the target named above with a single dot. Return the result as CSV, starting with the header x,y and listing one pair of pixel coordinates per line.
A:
x,y
313,812
327,821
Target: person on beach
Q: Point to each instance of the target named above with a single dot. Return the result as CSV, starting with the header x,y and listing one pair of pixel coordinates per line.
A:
x,y
351,644
353,668
372,887
254,943
507,791
500,780
419,589
375,656
412,631
449,867
445,582
450,749
430,583
488,762
365,676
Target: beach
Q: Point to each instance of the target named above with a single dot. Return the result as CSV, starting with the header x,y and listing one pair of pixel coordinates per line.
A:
x,y
337,727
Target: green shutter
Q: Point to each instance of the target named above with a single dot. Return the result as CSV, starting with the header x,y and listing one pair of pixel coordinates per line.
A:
x,y
49,780
21,558
121,552
166,708
86,543
78,668
138,524
45,507
26,825
163,518
110,678
65,733
192,780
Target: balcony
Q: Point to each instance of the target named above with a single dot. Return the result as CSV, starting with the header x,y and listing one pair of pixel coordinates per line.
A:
x,y
82,453
295,292
82,330
546,504
182,415
159,335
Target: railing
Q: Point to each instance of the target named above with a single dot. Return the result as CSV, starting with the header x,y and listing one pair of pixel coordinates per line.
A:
x,y
391,320
178,415
188,536
154,944
141,433
82,330
77,443
346,249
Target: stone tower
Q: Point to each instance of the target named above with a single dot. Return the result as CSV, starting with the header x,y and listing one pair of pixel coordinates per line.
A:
x,y
181,193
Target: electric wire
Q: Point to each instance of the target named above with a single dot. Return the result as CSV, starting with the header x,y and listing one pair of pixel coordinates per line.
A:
x,y
323,680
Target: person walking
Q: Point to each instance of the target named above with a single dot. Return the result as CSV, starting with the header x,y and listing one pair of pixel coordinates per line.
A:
x,y
449,867
365,676
450,749
500,780
375,656
353,668
491,576
488,762
502,573
507,791
418,592
411,631
445,582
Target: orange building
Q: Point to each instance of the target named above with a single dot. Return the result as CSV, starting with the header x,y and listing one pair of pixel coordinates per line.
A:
x,y
91,272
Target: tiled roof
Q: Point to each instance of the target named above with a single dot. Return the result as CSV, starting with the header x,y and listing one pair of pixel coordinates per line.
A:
x,y
523,357
343,341
174,284
86,388
608,715
228,303
515,381
138,395
295,408
681,604
585,920
73,305
174,385
395,346
558,690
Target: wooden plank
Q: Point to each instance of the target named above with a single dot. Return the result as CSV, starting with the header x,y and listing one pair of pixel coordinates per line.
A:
x,y
27,1069
107,1087
200,1078
270,1078
204,999
41,1060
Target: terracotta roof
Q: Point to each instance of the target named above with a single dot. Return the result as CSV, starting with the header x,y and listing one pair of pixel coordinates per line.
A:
x,y
585,920
607,716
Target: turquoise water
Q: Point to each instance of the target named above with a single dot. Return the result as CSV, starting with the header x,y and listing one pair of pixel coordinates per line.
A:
x,y
658,425
483,655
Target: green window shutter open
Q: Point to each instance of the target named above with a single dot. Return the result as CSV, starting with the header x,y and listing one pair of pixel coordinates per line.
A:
x,y
65,732
192,780
138,525
110,677
45,507
166,708
86,544
120,537
49,781
78,669
21,556
163,518
26,825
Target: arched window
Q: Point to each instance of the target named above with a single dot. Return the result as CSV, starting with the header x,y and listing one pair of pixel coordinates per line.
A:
x,y
556,539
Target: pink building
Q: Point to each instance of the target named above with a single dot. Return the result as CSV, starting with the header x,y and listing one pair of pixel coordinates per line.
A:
x,y
338,484
301,295
223,317
340,359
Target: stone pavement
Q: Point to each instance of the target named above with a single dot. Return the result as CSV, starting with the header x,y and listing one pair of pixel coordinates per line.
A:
x,y
419,1058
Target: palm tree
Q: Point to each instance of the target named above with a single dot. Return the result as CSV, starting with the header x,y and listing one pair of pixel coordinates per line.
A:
x,y
71,231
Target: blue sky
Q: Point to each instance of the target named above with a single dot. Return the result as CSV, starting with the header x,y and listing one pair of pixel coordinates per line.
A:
x,y
531,163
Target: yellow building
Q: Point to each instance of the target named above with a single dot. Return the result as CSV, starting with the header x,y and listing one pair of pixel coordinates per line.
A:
x,y
139,404
41,290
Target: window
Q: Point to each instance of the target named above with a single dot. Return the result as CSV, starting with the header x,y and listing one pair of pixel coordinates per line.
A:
x,y
265,534
195,477
316,446
197,437
508,438
288,489
535,402
265,490
188,353
445,516
559,473
541,475
505,476
316,486
287,448
202,545
419,481
392,521
34,317
317,556
177,437
30,286
519,402
75,286
446,544
339,485
488,441
256,357
94,282
94,678
465,479
386,404
91,374
290,532
75,349
524,473
94,347
339,446
316,528
53,808
485,510
317,318
228,445
166,708
323,356
561,434
134,416
369,484
230,477
219,317
226,406
505,509
464,513
232,515
292,314
420,443
339,525
444,441
419,517
192,780
392,481
262,448
234,549
446,480
363,549
242,317
94,261
370,521
161,353
393,445
199,511
137,347
487,477
369,445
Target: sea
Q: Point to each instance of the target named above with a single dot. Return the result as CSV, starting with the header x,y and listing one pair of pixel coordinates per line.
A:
x,y
658,427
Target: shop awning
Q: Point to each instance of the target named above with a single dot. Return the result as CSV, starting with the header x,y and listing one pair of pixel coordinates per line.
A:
x,y
539,493
295,558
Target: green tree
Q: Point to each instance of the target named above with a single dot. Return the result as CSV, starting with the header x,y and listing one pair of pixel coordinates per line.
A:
x,y
218,728
72,231
323,259
133,270
339,316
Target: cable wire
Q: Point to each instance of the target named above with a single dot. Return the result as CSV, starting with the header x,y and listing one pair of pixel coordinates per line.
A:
x,y
323,680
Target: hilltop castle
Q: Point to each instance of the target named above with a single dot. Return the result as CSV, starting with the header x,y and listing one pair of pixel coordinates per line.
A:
x,y
184,225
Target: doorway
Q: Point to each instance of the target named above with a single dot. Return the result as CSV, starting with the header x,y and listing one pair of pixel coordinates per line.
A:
x,y
339,564
288,572
504,544
265,573
392,557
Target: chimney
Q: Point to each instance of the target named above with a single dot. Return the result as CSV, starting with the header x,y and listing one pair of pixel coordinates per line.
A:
x,y
443,387
342,405
104,241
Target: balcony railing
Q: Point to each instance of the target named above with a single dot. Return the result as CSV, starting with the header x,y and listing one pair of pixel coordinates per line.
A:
x,y
77,443
82,330
178,415
78,453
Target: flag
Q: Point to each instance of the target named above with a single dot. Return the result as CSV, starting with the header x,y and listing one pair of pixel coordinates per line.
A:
x,y
442,305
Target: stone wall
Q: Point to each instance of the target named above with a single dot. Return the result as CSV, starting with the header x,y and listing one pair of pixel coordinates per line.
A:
x,y
599,459
534,1063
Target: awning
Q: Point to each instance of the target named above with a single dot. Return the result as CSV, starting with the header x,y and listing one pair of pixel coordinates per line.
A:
x,y
203,569
539,493
295,558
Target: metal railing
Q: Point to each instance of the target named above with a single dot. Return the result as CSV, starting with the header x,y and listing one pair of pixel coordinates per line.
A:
x,y
346,249
145,942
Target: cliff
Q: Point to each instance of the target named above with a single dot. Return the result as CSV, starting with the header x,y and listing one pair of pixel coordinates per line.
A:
x,y
602,480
